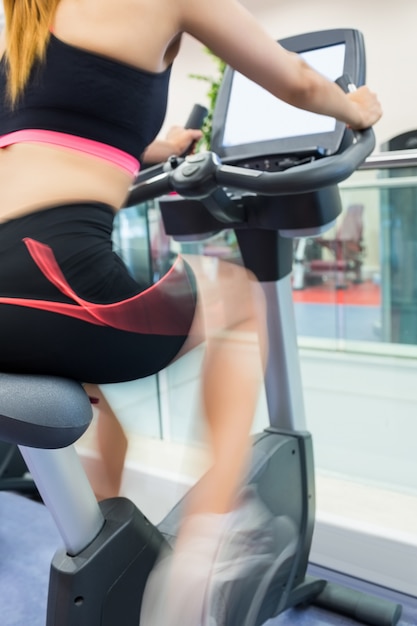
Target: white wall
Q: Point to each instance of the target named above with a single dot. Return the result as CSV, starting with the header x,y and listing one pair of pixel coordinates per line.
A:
x,y
389,31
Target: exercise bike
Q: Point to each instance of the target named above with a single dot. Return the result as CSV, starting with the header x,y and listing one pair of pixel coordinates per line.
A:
x,y
110,548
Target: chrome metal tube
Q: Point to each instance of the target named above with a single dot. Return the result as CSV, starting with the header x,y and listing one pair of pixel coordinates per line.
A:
x,y
390,160
67,493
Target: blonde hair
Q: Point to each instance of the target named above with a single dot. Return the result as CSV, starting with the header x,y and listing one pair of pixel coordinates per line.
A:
x,y
27,35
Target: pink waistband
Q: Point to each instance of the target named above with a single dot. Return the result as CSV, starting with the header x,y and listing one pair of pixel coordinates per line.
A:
x,y
113,155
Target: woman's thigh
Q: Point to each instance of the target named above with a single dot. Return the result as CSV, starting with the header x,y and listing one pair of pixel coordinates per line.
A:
x,y
230,300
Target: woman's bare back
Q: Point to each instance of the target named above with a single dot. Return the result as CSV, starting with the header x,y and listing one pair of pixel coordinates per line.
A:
x,y
141,33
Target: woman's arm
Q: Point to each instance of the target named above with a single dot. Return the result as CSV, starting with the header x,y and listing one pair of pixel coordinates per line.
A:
x,y
228,29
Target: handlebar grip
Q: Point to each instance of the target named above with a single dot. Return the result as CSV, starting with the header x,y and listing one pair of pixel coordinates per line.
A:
x,y
197,116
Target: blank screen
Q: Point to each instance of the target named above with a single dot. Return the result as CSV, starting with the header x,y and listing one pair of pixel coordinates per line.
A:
x,y
254,115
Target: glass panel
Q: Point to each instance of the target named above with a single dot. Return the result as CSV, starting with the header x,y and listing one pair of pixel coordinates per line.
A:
x,y
361,401
399,255
355,288
336,280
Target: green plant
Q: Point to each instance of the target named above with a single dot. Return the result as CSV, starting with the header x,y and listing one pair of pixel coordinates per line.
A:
x,y
214,86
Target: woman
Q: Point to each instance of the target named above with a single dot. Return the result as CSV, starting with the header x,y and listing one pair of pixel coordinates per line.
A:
x,y
83,93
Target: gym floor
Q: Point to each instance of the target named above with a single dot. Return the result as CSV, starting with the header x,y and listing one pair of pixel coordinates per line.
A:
x,y
353,313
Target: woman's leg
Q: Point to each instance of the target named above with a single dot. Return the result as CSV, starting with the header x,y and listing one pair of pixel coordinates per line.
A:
x,y
112,446
230,315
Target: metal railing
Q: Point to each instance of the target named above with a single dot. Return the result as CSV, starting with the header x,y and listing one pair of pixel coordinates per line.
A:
x,y
390,160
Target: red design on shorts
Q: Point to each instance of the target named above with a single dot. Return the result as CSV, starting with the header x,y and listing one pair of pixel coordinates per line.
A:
x,y
165,308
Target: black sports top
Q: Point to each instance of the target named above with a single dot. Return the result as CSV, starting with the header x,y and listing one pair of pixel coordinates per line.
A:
x,y
87,95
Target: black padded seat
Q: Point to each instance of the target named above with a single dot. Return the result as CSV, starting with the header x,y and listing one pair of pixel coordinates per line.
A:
x,y
42,411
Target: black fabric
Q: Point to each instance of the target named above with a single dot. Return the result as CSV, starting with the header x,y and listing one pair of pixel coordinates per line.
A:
x,y
34,341
85,94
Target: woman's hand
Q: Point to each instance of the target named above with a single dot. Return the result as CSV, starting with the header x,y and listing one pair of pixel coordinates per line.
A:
x,y
178,140
368,107
183,139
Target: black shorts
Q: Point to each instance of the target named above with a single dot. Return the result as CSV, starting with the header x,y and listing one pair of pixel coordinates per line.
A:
x,y
69,307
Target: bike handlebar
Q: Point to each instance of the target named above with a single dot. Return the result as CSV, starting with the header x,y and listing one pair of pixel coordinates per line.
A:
x,y
200,175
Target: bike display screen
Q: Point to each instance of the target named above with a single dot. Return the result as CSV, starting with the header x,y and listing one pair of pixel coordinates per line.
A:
x,y
249,121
